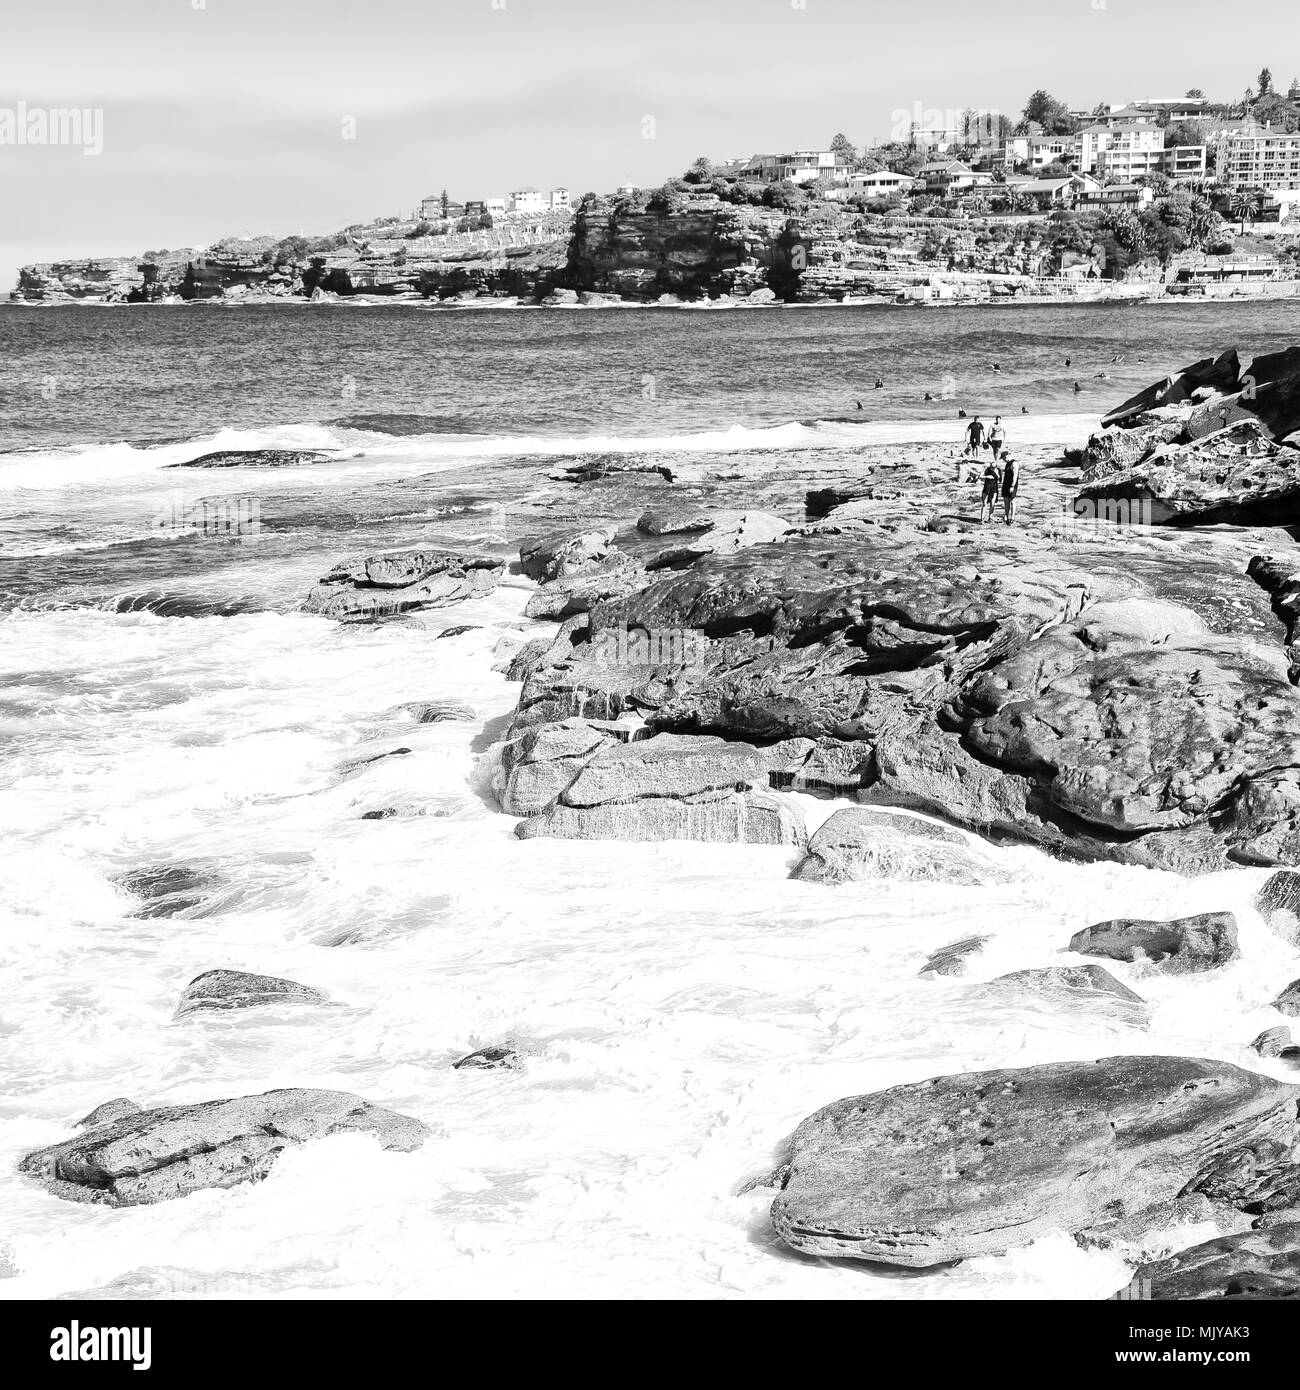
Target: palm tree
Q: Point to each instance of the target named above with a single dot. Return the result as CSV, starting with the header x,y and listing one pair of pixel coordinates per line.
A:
x,y
1245,204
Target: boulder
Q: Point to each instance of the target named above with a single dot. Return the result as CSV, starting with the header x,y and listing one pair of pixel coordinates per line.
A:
x,y
661,521
1236,474
381,586
750,817
233,989
1114,450
859,843
1280,579
541,764
614,576
108,1112
1278,903
559,555
1177,946
1288,1002
1274,1042
1258,1264
963,1166
171,1151
1219,373
254,458
952,959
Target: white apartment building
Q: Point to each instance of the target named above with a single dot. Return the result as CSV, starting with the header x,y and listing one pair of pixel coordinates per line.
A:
x,y
559,200
525,200
1136,150
1259,157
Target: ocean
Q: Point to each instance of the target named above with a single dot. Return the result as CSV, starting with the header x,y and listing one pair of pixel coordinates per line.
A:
x,y
166,709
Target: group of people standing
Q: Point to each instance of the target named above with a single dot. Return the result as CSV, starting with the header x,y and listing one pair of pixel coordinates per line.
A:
x,y
1001,475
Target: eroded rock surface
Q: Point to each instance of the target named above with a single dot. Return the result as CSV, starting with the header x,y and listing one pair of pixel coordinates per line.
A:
x,y
406,581
962,1166
861,843
234,989
1176,946
171,1151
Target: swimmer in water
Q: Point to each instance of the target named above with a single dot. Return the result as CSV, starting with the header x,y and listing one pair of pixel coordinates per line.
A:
x,y
879,383
1077,388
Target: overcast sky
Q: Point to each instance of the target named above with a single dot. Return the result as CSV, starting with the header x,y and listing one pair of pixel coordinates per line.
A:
x,y
228,116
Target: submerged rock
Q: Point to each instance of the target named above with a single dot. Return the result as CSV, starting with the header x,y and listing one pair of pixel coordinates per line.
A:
x,y
171,1151
254,458
108,1112
406,581
233,989
437,711
1069,986
1247,1265
497,1055
859,843
952,959
1177,946
167,890
964,1166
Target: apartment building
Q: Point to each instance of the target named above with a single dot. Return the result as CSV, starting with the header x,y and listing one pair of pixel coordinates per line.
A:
x,y
803,166
1259,157
1136,150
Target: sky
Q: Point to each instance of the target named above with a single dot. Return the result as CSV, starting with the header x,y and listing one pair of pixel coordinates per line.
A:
x,y
224,117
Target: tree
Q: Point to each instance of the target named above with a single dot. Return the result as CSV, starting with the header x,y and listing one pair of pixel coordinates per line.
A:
x,y
1245,205
1054,116
446,203
1265,82
843,149
701,171
1194,94
1293,91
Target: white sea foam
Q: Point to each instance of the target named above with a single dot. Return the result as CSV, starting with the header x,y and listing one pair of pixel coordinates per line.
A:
x,y
374,455
681,1006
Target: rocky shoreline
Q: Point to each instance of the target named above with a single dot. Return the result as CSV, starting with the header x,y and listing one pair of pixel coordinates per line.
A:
x,y
1111,679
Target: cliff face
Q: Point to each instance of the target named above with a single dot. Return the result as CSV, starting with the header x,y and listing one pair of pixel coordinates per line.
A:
x,y
696,252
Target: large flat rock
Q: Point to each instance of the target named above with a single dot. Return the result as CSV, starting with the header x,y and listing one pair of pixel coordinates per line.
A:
x,y
962,1166
397,582
152,1155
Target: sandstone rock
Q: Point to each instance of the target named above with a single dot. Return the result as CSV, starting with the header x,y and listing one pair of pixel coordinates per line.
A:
x,y
859,843
1273,1042
542,763
171,1151
1221,373
1278,903
612,577
558,556
730,531
1236,474
1288,1002
952,959
1281,579
754,817
233,989
659,521
254,458
1070,986
108,1112
1177,946
383,586
458,631
490,1057
1259,1264
440,711
167,890
964,1166
1114,450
